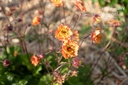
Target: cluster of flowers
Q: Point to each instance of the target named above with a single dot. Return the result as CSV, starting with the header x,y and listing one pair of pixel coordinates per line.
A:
x,y
69,41
69,38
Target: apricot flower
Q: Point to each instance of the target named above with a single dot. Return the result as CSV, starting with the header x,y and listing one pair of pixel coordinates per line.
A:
x,y
57,3
96,36
36,21
69,49
35,60
80,5
63,32
115,23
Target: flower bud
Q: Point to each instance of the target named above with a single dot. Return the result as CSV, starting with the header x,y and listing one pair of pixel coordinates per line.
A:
x,y
6,62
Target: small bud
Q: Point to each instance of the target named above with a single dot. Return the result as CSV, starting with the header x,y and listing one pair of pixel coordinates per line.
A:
x,y
41,56
74,73
9,27
6,62
76,62
124,67
15,53
19,20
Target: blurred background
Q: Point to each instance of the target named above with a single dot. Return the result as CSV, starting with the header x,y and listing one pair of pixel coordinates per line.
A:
x,y
100,67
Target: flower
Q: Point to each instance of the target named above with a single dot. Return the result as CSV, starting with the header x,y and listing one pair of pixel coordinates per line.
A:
x,y
96,18
41,56
76,62
115,23
15,53
80,5
57,3
75,35
35,60
59,78
63,32
9,27
96,36
6,62
36,21
69,49
74,73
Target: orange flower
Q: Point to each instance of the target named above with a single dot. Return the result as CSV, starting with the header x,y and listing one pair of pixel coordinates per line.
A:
x,y
74,73
57,3
36,21
35,60
70,49
63,32
15,53
115,23
80,5
75,35
96,36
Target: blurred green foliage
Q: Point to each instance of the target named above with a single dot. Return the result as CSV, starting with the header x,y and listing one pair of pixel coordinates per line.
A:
x,y
22,72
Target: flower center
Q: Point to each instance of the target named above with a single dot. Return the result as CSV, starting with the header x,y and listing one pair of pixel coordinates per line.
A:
x,y
63,32
69,49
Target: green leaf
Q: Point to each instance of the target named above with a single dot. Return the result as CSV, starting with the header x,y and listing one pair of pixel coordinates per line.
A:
x,y
84,30
23,82
37,70
46,80
101,2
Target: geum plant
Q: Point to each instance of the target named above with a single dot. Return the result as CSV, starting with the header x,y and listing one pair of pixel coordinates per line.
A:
x,y
56,65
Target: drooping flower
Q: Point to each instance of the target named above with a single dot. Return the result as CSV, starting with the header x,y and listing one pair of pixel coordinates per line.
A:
x,y
57,3
63,32
96,18
35,60
76,62
36,21
96,36
80,5
115,23
69,49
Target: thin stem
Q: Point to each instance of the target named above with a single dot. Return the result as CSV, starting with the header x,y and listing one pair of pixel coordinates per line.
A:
x,y
83,40
60,67
64,13
106,47
72,17
77,20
